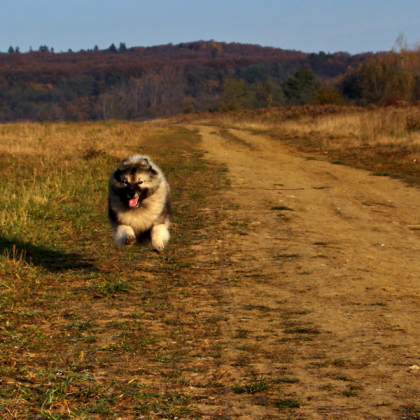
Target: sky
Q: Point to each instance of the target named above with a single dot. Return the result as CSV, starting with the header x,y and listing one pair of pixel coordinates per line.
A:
x,y
354,26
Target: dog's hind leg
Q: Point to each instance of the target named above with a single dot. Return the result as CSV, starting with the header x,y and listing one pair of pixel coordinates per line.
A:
x,y
124,235
160,237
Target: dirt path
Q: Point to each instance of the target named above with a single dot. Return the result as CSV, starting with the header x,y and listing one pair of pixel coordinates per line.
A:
x,y
322,294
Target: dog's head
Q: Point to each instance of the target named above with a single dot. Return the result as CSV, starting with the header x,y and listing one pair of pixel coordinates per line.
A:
x,y
134,180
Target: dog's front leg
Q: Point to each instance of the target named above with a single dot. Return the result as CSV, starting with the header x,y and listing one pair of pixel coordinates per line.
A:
x,y
124,235
160,237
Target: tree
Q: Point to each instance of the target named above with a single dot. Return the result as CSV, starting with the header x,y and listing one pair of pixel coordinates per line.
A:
x,y
383,79
327,95
112,48
44,49
268,94
300,89
236,95
11,50
122,48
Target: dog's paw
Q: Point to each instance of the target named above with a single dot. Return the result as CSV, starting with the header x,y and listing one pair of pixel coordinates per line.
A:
x,y
124,236
130,240
158,248
160,237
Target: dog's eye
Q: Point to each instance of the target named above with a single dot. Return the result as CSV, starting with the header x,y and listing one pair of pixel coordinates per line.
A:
x,y
140,182
125,182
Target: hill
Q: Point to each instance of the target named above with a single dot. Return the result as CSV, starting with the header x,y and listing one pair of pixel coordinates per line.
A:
x,y
147,82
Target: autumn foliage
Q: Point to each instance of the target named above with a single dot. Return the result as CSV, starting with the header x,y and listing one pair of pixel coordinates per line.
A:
x,y
143,83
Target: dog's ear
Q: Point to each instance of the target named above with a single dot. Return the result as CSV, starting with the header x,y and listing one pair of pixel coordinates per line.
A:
x,y
117,173
123,164
144,164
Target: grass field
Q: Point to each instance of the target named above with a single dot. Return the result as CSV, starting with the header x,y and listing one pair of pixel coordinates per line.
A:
x,y
81,320
92,332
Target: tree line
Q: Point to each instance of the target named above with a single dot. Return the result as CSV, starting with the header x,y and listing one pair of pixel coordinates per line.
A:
x,y
148,82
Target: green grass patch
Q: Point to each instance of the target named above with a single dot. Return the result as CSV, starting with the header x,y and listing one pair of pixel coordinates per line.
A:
x,y
281,208
289,403
252,387
285,380
412,414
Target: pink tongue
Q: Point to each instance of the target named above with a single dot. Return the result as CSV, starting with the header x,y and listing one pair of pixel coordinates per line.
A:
x,y
133,202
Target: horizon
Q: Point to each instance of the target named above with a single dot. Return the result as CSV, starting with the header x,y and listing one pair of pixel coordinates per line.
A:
x,y
53,50
355,27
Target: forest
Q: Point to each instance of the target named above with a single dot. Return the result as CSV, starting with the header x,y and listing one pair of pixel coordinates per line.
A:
x,y
142,83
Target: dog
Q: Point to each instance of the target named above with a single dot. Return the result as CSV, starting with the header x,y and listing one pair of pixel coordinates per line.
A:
x,y
139,204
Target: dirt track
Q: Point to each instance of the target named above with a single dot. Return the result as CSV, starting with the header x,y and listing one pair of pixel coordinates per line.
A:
x,y
329,288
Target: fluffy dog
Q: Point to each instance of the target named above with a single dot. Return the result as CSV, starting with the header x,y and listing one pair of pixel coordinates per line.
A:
x,y
139,204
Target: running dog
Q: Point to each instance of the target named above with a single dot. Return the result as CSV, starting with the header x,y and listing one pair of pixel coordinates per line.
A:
x,y
139,204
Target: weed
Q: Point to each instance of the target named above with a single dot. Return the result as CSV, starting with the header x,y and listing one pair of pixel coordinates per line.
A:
x,y
349,393
171,405
412,414
337,363
110,288
252,387
261,308
242,333
302,330
81,326
288,403
281,208
285,380
288,256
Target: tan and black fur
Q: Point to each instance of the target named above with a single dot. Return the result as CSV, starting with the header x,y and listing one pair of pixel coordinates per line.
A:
x,y
139,203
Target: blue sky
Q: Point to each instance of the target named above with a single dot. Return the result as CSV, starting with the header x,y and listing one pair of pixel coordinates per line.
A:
x,y
307,25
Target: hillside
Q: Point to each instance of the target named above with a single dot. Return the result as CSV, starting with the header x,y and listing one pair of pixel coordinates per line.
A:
x,y
142,83
134,61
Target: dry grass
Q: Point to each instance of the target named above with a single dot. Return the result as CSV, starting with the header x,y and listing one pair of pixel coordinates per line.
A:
x,y
358,126
73,139
381,127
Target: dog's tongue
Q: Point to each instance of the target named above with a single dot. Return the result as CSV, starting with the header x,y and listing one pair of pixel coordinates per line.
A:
x,y
133,202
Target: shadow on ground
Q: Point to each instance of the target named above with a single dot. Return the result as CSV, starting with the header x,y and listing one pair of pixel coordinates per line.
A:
x,y
50,259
